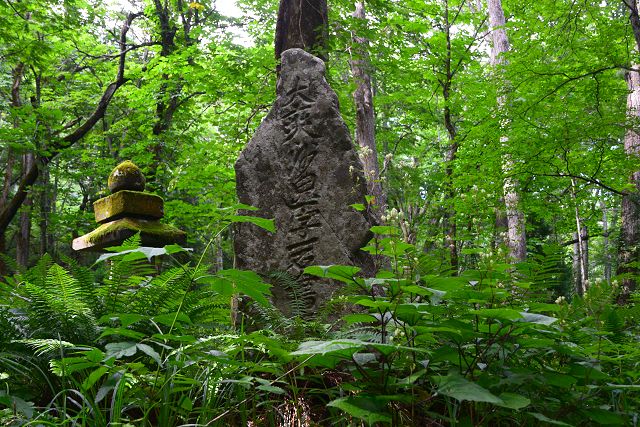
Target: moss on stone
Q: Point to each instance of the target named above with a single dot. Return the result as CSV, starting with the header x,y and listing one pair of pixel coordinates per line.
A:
x,y
152,233
127,202
126,176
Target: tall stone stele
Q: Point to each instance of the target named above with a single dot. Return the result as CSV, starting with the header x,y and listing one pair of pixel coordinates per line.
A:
x,y
127,211
301,169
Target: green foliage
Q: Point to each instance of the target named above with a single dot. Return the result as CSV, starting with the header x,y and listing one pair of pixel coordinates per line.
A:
x,y
484,348
134,340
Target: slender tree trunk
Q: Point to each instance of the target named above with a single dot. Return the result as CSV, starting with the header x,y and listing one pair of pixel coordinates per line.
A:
x,y
46,201
500,226
581,247
605,243
302,24
365,114
4,197
581,261
516,237
452,152
23,240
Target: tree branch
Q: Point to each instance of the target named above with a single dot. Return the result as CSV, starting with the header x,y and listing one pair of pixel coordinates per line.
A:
x,y
31,175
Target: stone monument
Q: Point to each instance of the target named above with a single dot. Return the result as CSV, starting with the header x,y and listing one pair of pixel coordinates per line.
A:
x,y
301,169
127,211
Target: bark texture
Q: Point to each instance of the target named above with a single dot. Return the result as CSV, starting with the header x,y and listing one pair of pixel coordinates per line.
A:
x,y
581,261
365,114
516,235
23,238
630,233
302,24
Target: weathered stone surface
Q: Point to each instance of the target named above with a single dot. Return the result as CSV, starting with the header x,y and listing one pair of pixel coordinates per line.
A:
x,y
301,169
128,203
126,176
152,233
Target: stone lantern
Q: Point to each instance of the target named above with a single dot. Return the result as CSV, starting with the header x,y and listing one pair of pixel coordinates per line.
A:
x,y
127,211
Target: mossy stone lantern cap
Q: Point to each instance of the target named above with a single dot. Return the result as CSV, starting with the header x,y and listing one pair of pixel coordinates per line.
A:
x,y
127,211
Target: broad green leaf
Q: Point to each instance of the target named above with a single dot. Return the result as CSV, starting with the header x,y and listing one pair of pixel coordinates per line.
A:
x,y
343,273
264,223
458,387
185,403
172,249
149,351
248,283
386,230
345,347
539,319
513,401
498,313
560,380
368,409
93,377
119,350
271,389
603,417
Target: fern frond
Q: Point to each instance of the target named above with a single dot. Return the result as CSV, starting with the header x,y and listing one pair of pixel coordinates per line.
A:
x,y
124,277
86,280
161,293
363,333
300,296
613,324
38,273
60,305
10,263
46,346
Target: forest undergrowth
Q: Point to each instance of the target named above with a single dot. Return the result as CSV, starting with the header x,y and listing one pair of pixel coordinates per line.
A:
x,y
132,342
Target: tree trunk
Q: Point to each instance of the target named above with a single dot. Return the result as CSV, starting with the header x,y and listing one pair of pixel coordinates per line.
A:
x,y
302,24
46,201
4,197
452,152
23,239
630,233
365,115
500,226
605,243
581,261
580,248
516,236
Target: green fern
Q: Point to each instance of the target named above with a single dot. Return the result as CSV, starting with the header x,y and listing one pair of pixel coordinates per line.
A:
x,y
123,279
300,296
613,324
547,272
47,346
60,306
